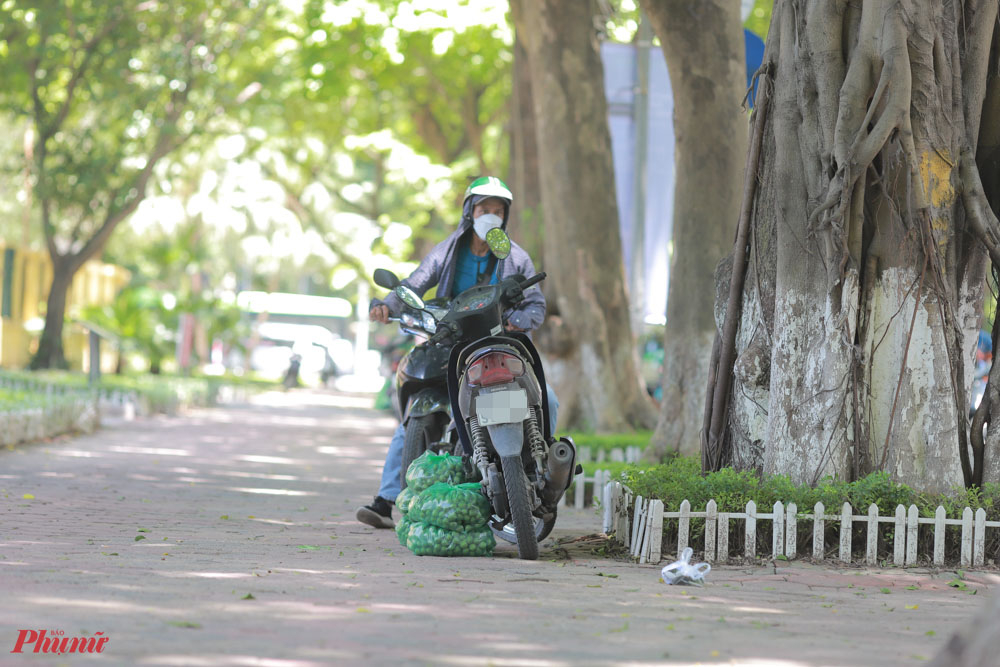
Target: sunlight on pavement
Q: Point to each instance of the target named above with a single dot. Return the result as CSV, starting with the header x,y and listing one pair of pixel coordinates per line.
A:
x,y
759,610
215,661
509,645
730,662
352,452
298,398
272,492
206,575
298,570
494,660
104,605
255,458
253,475
158,451
77,453
302,611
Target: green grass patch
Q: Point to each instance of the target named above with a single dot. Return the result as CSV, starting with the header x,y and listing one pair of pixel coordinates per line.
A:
x,y
609,441
615,467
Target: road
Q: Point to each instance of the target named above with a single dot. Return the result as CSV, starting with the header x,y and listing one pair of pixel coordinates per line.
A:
x,y
227,537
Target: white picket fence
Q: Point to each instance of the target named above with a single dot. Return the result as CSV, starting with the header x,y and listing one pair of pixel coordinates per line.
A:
x,y
642,531
582,484
596,482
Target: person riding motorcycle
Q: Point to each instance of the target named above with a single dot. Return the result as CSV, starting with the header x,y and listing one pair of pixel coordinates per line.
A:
x,y
459,262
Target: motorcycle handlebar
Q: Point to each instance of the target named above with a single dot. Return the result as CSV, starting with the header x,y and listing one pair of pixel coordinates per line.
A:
x,y
537,278
445,331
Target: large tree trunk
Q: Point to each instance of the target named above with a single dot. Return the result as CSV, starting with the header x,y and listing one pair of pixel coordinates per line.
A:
x,y
975,644
703,45
526,220
50,345
600,386
866,248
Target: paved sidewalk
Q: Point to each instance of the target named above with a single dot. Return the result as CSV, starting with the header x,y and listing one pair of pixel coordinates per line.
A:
x,y
227,537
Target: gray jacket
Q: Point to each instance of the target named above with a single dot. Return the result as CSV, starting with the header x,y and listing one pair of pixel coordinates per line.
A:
x,y
438,268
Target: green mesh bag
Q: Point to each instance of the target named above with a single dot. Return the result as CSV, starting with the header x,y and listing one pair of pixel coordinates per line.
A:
x,y
403,530
463,507
428,540
404,499
428,469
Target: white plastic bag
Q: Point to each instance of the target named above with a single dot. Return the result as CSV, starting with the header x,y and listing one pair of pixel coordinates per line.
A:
x,y
683,572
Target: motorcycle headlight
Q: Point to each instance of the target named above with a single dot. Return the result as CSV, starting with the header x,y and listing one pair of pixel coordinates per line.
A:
x,y
429,323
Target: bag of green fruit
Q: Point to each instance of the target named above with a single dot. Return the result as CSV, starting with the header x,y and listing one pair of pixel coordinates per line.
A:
x,y
403,530
428,469
462,507
404,499
428,540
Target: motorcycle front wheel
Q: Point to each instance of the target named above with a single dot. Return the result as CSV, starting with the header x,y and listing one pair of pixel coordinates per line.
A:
x,y
421,432
516,483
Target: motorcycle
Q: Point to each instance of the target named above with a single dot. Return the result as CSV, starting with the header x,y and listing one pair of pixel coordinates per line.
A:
x,y
496,389
421,396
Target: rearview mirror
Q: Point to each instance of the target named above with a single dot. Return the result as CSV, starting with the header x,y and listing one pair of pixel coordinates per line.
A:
x,y
499,242
385,278
409,297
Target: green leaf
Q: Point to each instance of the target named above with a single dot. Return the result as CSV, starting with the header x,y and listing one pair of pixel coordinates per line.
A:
x,y
139,537
248,596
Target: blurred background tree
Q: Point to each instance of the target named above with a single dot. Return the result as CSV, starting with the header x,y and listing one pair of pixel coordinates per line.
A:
x,y
109,91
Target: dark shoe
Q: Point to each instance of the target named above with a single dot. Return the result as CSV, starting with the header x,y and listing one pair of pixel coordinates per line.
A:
x,y
377,514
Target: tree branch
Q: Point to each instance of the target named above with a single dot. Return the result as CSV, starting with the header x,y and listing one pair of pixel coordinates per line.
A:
x,y
985,224
714,428
49,228
77,75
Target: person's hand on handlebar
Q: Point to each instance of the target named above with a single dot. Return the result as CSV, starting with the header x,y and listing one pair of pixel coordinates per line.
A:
x,y
379,313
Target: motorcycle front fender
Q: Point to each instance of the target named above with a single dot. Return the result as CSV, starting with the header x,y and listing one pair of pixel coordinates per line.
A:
x,y
507,439
427,401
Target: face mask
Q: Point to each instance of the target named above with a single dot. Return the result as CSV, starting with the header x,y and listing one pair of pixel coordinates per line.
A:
x,y
485,223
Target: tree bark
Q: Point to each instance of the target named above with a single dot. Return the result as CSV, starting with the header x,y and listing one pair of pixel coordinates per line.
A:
x,y
526,220
702,42
864,286
975,644
50,348
600,387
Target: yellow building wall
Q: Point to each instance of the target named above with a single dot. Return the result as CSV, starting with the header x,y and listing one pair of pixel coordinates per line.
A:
x,y
96,283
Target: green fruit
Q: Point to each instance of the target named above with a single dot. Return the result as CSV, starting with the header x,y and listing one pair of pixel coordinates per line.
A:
x,y
428,540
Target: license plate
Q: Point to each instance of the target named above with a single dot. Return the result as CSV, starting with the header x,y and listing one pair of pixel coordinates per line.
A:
x,y
509,406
